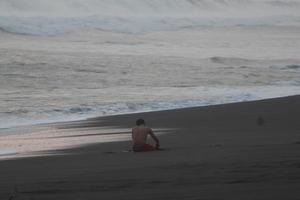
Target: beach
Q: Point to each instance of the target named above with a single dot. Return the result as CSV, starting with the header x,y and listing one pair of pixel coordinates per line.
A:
x,y
247,150
218,81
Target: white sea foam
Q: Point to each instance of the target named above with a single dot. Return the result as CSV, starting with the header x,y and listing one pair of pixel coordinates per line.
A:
x,y
178,98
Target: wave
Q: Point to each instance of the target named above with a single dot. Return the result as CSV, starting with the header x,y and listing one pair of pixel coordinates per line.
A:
x,y
134,7
45,17
209,96
292,66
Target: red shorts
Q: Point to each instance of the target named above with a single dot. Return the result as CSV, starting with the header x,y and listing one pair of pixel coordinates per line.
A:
x,y
143,147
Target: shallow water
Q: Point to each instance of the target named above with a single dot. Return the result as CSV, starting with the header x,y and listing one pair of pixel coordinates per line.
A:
x,y
91,73
42,140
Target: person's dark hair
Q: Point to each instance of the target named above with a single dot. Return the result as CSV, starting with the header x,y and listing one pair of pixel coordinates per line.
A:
x,y
140,122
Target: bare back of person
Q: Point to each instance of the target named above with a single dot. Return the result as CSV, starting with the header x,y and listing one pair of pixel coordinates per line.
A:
x,y
139,137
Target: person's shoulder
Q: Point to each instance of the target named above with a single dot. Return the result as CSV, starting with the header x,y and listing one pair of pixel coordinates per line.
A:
x,y
148,129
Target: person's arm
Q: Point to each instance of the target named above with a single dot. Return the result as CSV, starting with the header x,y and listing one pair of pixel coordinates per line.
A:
x,y
154,138
132,133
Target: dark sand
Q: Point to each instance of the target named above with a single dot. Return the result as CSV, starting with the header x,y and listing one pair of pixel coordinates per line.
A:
x,y
235,151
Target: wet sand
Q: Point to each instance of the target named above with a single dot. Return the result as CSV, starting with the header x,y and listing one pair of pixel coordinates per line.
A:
x,y
235,151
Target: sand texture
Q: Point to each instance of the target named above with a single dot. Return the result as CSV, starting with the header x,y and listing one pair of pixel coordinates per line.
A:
x,y
235,151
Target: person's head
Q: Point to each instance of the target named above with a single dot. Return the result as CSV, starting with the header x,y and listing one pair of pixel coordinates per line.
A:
x,y
140,122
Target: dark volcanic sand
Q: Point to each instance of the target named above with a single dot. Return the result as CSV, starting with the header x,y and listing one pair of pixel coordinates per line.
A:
x,y
235,151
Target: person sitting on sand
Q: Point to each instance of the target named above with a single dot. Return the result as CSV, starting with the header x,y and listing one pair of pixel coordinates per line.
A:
x,y
139,137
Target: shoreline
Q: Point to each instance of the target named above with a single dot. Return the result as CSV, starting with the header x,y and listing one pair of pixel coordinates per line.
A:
x,y
246,150
74,120
67,130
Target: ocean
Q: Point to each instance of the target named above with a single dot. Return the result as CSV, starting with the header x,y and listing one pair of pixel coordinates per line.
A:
x,y
63,60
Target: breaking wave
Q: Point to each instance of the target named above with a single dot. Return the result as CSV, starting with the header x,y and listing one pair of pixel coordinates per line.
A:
x,y
211,96
45,17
